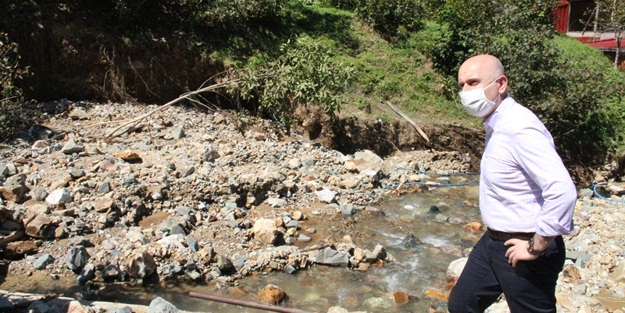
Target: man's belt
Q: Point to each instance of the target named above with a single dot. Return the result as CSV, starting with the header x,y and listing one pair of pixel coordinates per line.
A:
x,y
503,236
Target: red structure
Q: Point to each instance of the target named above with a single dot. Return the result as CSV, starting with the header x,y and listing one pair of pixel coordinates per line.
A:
x,y
569,17
562,16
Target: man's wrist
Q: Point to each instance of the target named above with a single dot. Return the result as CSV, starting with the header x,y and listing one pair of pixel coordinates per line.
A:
x,y
532,249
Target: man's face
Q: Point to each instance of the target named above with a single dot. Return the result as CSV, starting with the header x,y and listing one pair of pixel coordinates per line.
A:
x,y
474,74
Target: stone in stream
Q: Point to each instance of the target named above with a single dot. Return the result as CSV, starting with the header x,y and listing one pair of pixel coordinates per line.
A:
x,y
160,305
111,272
272,294
140,264
329,256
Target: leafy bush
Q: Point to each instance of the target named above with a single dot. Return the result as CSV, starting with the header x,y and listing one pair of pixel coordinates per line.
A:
x,y
390,18
518,32
11,99
587,115
305,73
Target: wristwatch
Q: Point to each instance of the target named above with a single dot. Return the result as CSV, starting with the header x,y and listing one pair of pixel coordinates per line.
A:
x,y
531,250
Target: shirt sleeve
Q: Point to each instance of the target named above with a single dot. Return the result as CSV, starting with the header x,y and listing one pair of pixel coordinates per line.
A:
x,y
536,154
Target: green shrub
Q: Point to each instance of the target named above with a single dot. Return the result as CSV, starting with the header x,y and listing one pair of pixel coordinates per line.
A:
x,y
305,73
587,115
392,19
11,99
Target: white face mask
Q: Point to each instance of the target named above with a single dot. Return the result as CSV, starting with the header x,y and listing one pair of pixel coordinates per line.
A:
x,y
475,101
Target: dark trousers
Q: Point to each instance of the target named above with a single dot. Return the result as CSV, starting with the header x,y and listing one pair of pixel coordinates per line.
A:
x,y
528,287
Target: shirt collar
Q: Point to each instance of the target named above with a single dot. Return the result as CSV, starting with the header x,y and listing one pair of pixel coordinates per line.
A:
x,y
493,119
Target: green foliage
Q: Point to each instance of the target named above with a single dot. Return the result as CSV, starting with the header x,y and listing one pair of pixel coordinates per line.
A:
x,y
587,116
11,99
519,33
305,73
393,19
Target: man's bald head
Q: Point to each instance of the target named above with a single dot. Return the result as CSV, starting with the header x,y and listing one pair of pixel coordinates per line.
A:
x,y
486,66
482,72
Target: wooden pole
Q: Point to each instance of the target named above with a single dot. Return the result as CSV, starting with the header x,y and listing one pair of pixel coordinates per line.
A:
x,y
409,121
248,304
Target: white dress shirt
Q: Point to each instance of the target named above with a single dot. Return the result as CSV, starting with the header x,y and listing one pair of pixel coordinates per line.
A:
x,y
524,186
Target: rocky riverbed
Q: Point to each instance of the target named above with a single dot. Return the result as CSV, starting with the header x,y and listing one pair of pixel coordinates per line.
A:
x,y
121,194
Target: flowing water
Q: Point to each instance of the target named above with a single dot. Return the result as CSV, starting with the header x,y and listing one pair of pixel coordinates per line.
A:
x,y
435,219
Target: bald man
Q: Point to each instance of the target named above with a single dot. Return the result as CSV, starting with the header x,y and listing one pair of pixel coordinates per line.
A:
x,y
527,200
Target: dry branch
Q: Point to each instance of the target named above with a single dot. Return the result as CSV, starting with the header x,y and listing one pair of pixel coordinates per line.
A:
x,y
409,121
168,104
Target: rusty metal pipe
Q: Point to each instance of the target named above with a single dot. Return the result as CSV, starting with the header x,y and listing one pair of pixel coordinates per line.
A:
x,y
248,304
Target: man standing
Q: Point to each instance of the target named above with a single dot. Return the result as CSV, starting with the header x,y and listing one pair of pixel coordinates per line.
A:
x,y
527,200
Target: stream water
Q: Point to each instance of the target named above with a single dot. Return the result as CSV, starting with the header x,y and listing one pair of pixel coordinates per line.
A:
x,y
435,221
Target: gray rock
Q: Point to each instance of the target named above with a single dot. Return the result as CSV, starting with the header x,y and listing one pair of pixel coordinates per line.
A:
x,y
38,194
177,230
105,186
303,238
43,261
111,272
125,309
379,252
193,244
160,305
348,209
329,256
239,263
276,202
178,132
86,274
223,263
308,162
72,147
39,307
326,195
183,210
77,258
192,274
77,173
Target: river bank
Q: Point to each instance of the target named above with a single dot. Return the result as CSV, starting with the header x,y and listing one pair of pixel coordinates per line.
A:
x,y
215,197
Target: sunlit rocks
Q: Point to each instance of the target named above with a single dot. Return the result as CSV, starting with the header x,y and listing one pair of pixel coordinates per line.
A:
x,y
14,188
42,226
72,147
61,195
266,231
272,294
161,305
474,227
139,264
127,155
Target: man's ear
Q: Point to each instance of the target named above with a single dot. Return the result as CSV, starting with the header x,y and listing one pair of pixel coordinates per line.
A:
x,y
503,84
